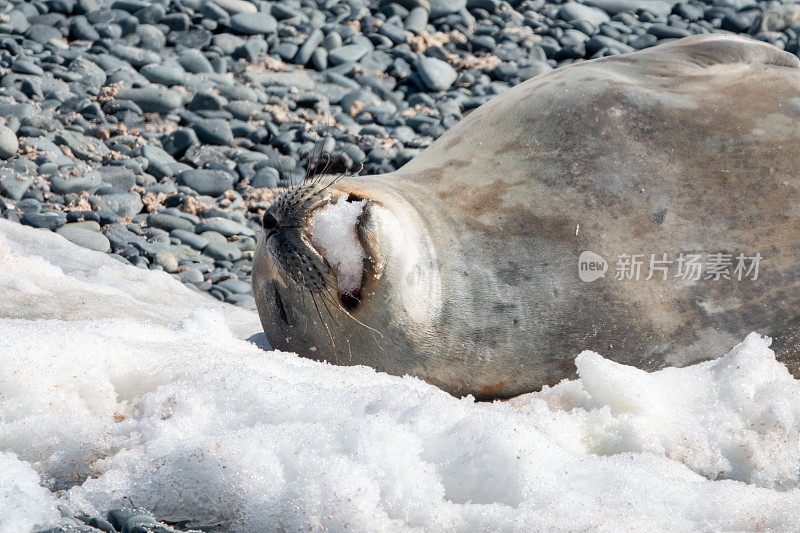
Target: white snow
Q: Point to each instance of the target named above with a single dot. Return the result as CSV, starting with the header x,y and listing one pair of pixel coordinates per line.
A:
x,y
333,234
188,420
40,277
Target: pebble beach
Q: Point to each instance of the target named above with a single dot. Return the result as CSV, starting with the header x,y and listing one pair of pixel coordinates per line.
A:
x,y
159,131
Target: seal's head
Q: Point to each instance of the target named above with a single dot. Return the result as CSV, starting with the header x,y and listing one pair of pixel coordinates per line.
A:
x,y
343,273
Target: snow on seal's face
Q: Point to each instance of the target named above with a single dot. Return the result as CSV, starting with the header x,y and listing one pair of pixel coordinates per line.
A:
x,y
332,231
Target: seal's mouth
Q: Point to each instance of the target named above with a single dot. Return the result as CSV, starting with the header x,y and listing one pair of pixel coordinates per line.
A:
x,y
332,229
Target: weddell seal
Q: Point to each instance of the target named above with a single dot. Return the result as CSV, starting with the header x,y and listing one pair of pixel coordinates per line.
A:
x,y
645,206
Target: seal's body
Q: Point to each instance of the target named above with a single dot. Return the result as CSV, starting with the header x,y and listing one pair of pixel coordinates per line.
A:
x,y
474,283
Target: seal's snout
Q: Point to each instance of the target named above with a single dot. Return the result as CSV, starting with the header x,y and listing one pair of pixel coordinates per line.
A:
x,y
332,230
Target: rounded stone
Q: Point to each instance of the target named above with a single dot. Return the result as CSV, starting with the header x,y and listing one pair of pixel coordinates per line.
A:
x,y
9,145
152,99
87,238
222,251
223,226
206,182
189,238
190,275
168,222
234,7
445,7
254,23
195,62
214,131
436,74
350,52
572,11
167,260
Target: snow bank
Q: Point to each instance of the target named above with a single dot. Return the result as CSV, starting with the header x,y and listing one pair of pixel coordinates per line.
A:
x,y
333,233
24,503
193,423
42,275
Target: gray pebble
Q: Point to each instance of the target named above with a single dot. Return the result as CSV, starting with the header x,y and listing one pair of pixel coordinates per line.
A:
x,y
9,145
166,260
190,275
214,131
206,182
13,184
222,251
152,99
223,226
63,184
94,240
168,222
164,74
436,74
236,286
254,23
189,238
446,7
572,11
343,54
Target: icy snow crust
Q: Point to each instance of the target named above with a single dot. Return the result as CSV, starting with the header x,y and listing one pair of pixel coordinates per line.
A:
x,y
193,423
333,233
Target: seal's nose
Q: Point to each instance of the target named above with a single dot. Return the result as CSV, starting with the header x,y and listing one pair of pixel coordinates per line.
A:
x,y
269,221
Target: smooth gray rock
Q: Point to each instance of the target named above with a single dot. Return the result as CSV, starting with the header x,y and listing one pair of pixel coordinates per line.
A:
x,y
436,74
190,275
307,48
178,141
223,226
152,99
350,52
118,176
64,184
236,286
189,238
168,75
236,6
138,57
417,19
222,251
13,184
195,62
49,221
9,145
298,79
124,204
90,72
572,11
167,260
613,7
168,222
85,237
266,177
254,23
445,7
87,148
161,163
207,182
214,131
